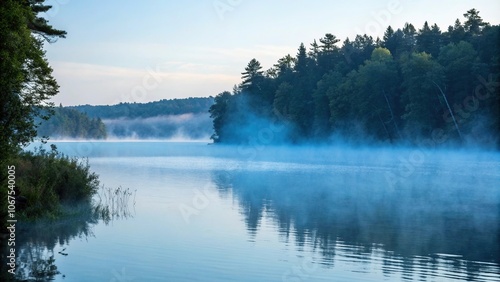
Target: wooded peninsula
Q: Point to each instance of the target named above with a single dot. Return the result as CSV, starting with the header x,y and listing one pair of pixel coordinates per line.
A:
x,y
411,85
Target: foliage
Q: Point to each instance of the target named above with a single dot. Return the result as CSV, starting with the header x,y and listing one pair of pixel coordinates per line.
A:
x,y
113,204
43,269
409,85
420,95
42,238
47,179
26,86
70,123
161,119
218,112
145,110
26,82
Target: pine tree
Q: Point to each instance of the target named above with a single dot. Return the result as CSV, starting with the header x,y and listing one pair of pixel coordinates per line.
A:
x,y
474,23
251,76
26,82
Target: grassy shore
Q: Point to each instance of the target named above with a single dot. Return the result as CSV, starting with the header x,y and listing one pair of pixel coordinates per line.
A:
x,y
52,191
47,179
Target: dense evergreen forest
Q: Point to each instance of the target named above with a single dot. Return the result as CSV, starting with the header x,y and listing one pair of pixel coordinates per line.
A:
x,y
145,110
412,85
70,123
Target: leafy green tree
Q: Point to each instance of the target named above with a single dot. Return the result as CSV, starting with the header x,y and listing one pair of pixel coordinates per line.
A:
x,y
70,123
340,94
489,51
219,112
405,85
26,82
291,104
423,106
282,99
150,109
458,61
375,86
322,113
301,105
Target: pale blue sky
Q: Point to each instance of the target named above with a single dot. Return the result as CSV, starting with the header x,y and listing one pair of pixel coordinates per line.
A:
x,y
139,51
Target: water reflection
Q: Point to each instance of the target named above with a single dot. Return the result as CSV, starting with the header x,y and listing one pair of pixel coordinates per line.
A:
x,y
37,243
429,229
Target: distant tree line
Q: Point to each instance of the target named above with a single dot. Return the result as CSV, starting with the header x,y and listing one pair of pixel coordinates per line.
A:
x,y
145,110
185,126
411,84
70,123
186,118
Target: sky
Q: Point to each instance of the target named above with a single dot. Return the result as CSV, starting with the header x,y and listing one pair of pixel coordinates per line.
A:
x,y
139,51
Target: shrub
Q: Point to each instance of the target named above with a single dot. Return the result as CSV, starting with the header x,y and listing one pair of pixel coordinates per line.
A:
x,y
48,178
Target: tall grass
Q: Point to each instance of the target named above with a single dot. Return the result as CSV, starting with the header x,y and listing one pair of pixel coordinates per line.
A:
x,y
48,178
62,198
113,204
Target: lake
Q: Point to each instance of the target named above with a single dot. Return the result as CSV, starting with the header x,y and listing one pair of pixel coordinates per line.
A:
x,y
217,213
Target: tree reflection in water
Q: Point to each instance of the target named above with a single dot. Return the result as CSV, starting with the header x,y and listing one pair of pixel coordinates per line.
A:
x,y
37,241
427,229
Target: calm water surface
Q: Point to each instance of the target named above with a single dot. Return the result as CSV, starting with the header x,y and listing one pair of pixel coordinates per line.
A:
x,y
213,213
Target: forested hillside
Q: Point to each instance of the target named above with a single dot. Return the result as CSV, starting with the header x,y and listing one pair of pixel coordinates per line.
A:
x,y
70,123
146,110
414,84
165,119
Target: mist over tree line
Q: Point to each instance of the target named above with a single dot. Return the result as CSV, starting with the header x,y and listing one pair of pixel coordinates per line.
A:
x,y
145,110
413,84
177,118
70,123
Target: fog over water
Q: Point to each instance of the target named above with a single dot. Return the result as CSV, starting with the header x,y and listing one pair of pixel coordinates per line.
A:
x,y
177,127
294,213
